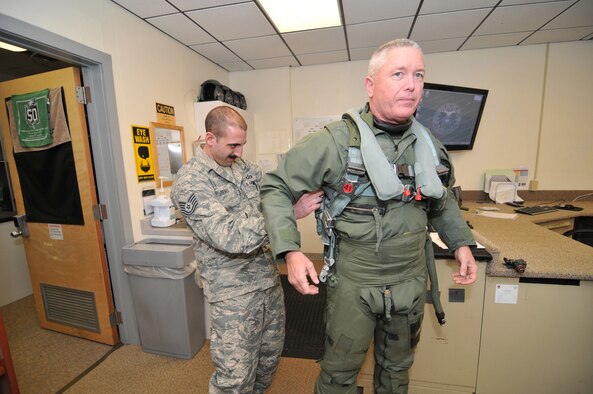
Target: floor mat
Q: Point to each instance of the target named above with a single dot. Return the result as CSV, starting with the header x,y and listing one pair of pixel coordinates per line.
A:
x,y
304,322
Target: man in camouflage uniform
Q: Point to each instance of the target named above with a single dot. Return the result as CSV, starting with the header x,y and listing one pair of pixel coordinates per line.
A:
x,y
218,194
377,286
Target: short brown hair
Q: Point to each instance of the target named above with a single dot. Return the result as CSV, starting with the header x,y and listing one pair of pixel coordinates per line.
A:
x,y
220,118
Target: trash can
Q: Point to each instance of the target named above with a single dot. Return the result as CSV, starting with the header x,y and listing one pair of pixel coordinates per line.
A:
x,y
169,304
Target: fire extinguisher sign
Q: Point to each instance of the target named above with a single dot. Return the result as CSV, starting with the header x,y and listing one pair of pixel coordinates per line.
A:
x,y
143,153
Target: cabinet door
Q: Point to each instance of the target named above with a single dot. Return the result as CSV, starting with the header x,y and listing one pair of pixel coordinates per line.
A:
x,y
447,356
542,344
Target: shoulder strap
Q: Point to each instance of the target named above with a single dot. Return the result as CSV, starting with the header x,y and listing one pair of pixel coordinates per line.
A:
x,y
383,177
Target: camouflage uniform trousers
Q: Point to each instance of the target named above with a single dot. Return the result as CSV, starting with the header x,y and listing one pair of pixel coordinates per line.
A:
x,y
246,341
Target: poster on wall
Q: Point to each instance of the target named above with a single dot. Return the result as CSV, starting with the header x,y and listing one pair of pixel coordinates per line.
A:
x,y
143,153
304,126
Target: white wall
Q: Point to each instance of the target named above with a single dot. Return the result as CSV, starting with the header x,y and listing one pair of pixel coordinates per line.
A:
x,y
509,131
566,159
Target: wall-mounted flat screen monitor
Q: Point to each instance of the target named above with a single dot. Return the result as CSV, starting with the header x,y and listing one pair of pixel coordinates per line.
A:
x,y
452,113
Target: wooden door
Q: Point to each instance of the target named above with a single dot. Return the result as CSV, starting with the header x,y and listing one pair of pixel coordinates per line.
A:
x,y
67,262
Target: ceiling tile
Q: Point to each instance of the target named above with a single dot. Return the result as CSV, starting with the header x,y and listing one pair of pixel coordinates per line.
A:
x,y
258,48
447,45
356,11
236,66
558,35
186,5
181,28
516,2
520,18
146,9
323,57
284,61
495,40
448,25
233,21
362,53
580,14
216,52
239,36
439,6
313,41
376,33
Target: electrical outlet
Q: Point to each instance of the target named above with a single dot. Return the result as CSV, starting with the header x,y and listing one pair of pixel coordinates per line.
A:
x,y
533,184
147,196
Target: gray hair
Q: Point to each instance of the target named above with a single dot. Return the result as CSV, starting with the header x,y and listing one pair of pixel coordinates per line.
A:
x,y
378,57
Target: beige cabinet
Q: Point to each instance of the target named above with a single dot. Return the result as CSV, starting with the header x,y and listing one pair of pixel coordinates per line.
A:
x,y
542,344
446,359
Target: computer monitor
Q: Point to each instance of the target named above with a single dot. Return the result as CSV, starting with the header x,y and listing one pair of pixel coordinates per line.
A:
x,y
452,113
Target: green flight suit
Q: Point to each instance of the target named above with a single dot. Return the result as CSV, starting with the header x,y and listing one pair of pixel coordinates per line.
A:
x,y
378,286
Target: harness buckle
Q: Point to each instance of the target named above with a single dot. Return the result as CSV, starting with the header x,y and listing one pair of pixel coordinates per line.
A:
x,y
404,170
327,220
355,168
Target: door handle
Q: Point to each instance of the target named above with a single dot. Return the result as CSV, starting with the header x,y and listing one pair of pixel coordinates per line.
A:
x,y
22,229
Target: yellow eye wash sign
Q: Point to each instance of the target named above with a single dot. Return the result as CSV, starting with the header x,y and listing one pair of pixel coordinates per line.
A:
x,y
143,153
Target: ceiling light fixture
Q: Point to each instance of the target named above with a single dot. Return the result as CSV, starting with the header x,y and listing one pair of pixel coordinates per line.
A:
x,y
11,47
298,15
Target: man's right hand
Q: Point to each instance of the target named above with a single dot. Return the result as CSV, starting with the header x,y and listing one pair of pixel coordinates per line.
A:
x,y
307,203
299,266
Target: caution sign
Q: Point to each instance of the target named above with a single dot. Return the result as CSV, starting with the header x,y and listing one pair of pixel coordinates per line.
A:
x,y
143,153
165,114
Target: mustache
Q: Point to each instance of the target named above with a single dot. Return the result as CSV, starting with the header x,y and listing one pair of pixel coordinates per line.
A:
x,y
233,156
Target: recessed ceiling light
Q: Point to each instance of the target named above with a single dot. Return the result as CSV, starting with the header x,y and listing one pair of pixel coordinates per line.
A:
x,y
298,15
11,47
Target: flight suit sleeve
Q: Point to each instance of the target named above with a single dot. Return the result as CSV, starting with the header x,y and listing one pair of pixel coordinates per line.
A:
x,y
313,162
448,221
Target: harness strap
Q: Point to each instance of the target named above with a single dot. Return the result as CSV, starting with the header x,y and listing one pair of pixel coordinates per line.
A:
x,y
385,181
434,282
384,176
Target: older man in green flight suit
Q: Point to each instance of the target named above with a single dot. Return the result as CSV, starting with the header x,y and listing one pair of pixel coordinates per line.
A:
x,y
399,185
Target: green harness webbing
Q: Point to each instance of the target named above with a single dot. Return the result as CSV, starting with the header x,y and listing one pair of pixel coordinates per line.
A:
x,y
334,203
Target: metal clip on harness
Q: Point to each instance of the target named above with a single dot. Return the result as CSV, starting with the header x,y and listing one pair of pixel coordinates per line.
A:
x,y
329,252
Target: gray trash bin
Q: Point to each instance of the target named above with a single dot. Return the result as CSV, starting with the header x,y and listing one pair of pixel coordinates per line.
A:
x,y
168,303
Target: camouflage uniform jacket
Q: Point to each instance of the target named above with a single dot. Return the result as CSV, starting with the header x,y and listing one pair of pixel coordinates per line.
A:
x,y
221,206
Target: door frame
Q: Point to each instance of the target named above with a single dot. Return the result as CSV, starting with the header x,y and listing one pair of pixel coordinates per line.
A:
x,y
97,74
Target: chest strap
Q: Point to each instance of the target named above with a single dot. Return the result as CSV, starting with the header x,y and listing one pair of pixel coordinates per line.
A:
x,y
384,176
